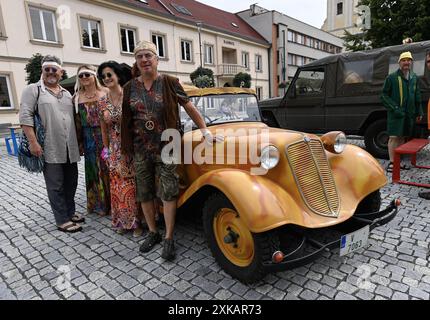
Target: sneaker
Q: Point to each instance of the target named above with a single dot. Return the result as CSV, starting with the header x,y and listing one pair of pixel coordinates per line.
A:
x,y
151,240
424,195
168,249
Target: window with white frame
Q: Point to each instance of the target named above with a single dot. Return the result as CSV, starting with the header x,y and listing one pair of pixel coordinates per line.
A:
x,y
43,24
6,101
91,33
258,63
245,59
186,50
2,28
209,54
128,39
159,41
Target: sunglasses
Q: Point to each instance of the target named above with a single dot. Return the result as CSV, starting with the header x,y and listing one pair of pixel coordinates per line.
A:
x,y
107,75
50,70
84,75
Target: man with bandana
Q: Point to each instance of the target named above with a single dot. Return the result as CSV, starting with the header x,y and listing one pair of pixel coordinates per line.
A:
x,y
150,106
60,148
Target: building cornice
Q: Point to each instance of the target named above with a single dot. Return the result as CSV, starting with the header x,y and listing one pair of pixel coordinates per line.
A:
x,y
129,8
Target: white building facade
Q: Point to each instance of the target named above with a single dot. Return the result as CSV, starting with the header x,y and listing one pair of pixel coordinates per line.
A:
x,y
293,44
93,31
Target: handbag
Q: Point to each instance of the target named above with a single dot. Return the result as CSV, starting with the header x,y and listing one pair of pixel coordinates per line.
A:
x,y
25,158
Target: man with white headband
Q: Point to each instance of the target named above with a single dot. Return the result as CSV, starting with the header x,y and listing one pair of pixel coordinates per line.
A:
x,y
60,149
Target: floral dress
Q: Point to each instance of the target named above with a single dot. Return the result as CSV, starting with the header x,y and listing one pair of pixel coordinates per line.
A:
x,y
125,210
96,171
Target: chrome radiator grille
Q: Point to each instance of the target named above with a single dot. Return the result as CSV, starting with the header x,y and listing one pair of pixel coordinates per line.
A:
x,y
313,176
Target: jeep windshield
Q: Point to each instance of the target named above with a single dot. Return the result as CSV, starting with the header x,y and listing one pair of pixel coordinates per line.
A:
x,y
222,108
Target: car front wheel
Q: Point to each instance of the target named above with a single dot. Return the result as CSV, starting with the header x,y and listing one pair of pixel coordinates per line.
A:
x,y
237,250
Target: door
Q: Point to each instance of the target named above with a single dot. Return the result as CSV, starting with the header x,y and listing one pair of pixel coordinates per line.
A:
x,y
302,108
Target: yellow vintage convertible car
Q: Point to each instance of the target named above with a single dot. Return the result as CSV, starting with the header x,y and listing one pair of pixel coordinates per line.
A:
x,y
304,195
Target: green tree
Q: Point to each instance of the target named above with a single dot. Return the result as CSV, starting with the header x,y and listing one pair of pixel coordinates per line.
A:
x,y
393,20
208,79
203,82
34,69
242,79
355,42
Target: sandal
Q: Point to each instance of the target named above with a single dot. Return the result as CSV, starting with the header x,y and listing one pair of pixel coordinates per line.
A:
x,y
78,218
405,167
137,232
121,231
70,227
390,167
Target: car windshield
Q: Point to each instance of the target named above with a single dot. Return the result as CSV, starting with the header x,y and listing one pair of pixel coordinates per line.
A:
x,y
225,108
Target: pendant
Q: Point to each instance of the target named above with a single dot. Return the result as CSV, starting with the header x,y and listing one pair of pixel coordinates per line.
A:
x,y
149,125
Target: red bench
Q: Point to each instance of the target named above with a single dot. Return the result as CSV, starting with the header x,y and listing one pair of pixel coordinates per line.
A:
x,y
412,147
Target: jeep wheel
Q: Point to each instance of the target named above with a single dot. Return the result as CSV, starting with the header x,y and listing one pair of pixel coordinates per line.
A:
x,y
237,250
372,203
376,139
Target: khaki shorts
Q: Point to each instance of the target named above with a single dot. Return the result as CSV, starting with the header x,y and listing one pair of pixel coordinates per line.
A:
x,y
153,174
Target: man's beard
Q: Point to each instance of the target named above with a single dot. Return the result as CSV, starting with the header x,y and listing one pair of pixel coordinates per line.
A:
x,y
51,80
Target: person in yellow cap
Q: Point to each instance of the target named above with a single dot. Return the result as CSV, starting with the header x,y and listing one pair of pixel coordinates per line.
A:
x,y
150,106
401,97
426,195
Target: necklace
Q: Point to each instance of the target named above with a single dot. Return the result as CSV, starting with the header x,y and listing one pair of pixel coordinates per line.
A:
x,y
90,97
118,101
58,95
149,123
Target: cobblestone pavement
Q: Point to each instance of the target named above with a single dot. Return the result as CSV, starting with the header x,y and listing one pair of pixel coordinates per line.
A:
x,y
37,261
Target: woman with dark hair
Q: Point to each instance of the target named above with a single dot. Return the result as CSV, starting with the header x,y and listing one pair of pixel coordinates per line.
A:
x,y
124,209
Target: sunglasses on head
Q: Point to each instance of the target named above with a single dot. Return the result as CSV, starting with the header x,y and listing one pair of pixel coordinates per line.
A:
x,y
107,75
84,75
50,70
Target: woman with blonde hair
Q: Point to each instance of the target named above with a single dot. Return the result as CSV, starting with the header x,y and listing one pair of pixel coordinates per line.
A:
x,y
88,91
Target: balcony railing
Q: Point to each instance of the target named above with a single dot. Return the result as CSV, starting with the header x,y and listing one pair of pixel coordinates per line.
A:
x,y
230,69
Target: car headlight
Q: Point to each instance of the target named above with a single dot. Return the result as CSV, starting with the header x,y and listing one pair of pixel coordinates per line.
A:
x,y
334,141
269,157
340,143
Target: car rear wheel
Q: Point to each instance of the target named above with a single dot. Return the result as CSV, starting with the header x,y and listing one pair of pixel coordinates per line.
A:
x,y
376,139
237,250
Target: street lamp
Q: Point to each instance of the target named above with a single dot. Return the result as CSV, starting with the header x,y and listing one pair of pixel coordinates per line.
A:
x,y
199,28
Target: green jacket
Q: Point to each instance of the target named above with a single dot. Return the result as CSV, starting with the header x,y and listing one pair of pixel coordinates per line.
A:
x,y
402,98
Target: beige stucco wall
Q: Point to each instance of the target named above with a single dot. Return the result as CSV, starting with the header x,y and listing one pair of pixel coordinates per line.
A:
x,y
17,48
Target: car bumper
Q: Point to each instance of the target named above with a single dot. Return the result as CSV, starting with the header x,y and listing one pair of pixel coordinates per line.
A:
x,y
298,258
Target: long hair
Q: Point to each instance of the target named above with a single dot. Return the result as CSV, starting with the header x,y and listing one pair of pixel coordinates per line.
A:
x,y
79,88
135,72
